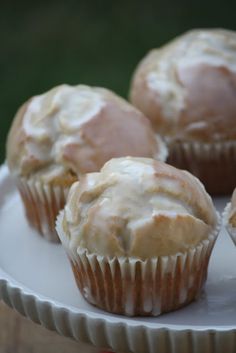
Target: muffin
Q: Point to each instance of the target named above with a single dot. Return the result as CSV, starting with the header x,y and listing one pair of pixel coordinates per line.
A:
x,y
68,131
229,217
187,89
139,235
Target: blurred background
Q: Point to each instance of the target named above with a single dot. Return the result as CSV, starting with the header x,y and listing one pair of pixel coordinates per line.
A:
x,y
46,43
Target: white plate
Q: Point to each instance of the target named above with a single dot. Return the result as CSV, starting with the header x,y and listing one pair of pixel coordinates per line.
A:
x,y
36,279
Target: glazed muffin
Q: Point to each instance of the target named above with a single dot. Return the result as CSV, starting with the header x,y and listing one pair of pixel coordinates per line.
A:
x,y
68,131
139,235
187,88
229,217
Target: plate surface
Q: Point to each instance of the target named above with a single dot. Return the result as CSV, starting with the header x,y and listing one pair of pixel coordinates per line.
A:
x,y
36,279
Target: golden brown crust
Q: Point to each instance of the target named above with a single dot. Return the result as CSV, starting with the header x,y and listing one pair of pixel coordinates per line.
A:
x,y
135,137
196,195
211,93
65,180
187,88
162,241
138,207
76,130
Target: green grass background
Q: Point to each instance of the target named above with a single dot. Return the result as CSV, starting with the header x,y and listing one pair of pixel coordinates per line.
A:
x,y
45,43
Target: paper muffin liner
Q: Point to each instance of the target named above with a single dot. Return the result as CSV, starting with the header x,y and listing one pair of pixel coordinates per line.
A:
x,y
225,216
213,163
134,287
42,203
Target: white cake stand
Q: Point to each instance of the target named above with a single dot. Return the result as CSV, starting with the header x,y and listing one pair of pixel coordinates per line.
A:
x,y
36,280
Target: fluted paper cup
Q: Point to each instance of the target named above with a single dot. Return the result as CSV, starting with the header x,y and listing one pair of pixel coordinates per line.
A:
x,y
231,230
213,163
133,287
42,203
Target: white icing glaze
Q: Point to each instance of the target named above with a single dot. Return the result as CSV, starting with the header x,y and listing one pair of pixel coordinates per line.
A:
x,y
78,128
64,109
169,92
135,207
166,85
215,48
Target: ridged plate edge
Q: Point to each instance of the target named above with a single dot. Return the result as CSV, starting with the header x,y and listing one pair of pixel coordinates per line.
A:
x,y
120,336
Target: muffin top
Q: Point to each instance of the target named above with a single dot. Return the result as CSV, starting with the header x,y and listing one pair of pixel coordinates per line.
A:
x,y
71,130
188,87
232,211
137,207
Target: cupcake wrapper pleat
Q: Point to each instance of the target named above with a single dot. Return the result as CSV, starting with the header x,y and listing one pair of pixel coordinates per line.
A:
x,y
42,204
231,230
213,163
133,287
